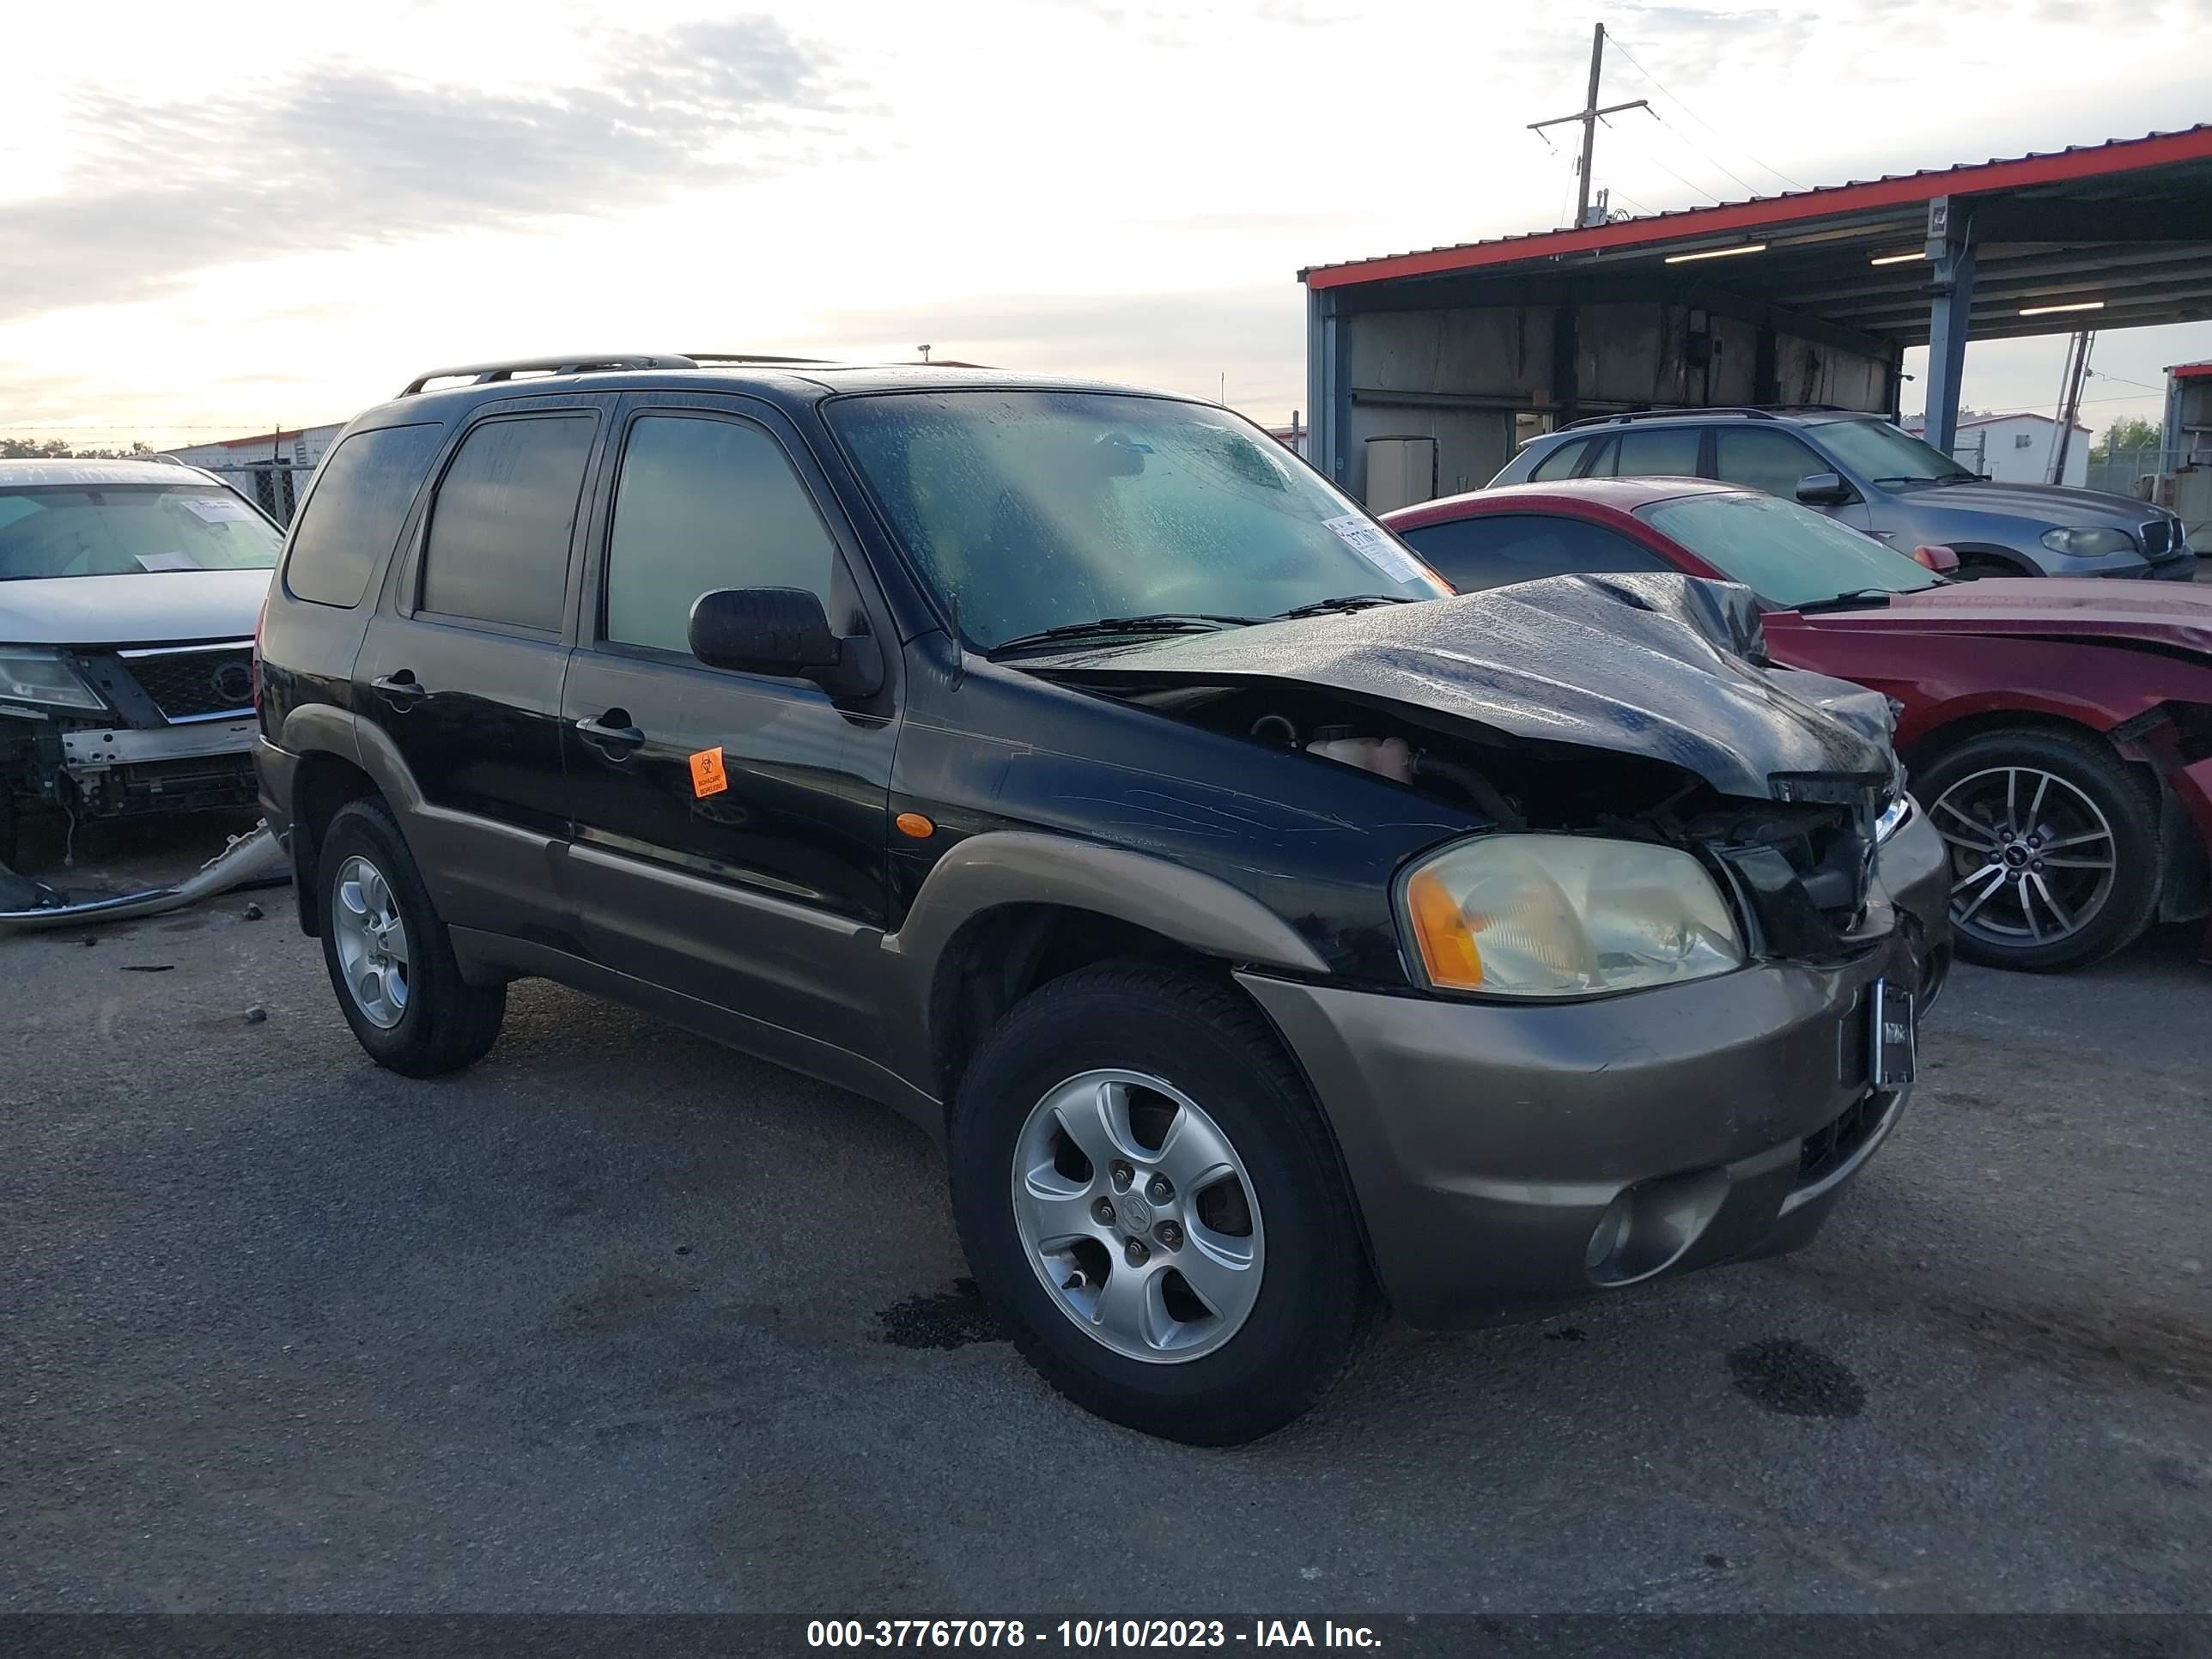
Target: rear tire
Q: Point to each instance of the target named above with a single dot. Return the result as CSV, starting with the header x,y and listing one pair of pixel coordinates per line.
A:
x,y
2028,815
389,956
1226,1360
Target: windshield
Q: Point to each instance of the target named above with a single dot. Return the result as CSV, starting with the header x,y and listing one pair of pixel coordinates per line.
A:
x,y
1884,454
1032,510
116,529
1786,553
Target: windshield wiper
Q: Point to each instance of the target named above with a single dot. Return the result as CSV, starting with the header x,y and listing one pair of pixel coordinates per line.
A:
x,y
1349,601
1947,478
1855,596
1162,621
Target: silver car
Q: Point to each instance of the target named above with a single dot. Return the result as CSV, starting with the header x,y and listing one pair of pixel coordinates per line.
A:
x,y
129,594
1876,477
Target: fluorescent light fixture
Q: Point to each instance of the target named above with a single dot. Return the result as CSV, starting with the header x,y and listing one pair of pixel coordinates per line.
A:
x,y
1896,258
2079,305
1716,253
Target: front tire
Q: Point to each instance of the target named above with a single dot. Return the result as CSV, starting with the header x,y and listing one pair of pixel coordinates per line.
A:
x,y
2055,861
1150,1202
389,956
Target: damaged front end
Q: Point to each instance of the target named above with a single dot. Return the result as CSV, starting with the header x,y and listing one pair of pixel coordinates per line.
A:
x,y
98,733
1638,709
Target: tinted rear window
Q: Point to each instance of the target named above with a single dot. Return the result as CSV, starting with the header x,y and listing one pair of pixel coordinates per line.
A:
x,y
498,545
353,515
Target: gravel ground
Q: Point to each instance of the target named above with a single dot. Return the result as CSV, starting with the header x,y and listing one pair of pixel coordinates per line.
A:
x,y
622,1322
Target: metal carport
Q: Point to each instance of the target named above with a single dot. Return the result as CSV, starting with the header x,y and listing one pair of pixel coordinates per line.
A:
x,y
1812,296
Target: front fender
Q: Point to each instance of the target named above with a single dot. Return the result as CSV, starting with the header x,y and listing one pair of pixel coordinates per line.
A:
x,y
1005,867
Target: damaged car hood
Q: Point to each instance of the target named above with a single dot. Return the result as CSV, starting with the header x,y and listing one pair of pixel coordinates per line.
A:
x,y
1656,665
154,607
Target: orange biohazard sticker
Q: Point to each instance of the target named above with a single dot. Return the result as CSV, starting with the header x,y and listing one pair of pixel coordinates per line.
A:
x,y
707,777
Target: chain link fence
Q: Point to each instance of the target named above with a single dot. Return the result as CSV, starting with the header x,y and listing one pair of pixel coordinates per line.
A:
x,y
277,486
2119,470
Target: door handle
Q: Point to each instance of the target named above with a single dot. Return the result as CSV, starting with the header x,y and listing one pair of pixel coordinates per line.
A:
x,y
400,690
611,733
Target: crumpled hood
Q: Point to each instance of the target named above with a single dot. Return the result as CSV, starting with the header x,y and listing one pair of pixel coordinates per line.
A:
x,y
1656,665
153,607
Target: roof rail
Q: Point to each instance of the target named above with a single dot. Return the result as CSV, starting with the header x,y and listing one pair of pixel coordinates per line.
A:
x,y
1746,410
487,374
757,357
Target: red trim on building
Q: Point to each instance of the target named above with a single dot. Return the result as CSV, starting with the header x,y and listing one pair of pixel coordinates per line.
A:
x,y
2190,371
2097,160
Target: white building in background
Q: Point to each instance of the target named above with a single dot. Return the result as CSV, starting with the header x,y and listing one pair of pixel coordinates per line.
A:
x,y
298,449
2017,448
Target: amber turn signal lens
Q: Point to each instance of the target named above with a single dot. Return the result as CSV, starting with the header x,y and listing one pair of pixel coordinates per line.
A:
x,y
1440,927
913,824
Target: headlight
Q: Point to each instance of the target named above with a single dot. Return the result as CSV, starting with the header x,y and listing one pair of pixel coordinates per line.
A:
x,y
1565,916
32,675
2088,544
1894,817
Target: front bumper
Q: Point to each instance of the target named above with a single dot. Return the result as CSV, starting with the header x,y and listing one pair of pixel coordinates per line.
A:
x,y
119,771
1486,1142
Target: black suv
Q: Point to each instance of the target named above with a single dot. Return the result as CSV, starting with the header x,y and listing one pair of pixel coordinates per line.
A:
x,y
1264,931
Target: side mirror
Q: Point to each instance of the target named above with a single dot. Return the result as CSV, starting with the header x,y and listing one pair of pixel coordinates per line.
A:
x,y
1824,489
781,631
1938,557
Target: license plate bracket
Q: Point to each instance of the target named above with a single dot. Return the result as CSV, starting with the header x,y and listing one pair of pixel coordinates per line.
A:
x,y
1892,1036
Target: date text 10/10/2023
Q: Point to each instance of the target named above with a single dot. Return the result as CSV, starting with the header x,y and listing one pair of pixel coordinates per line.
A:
x,y
1083,1635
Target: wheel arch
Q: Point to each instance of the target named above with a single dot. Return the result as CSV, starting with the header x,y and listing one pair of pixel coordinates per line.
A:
x,y
323,783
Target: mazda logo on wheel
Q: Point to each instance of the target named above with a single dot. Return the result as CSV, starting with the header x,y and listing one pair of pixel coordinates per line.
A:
x,y
232,682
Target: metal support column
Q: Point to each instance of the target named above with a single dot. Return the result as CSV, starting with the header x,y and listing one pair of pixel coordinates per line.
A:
x,y
1328,388
1951,260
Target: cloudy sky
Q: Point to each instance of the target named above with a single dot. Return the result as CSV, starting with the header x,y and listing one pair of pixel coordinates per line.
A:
x,y
210,225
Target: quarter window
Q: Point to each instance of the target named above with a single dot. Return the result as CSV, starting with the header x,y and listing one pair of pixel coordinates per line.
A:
x,y
705,503
352,515
1560,462
498,544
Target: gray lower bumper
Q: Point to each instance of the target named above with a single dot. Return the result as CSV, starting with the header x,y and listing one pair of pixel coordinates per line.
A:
x,y
1486,1142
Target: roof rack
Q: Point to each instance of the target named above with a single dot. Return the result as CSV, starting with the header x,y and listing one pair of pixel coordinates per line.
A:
x,y
488,374
1746,410
757,357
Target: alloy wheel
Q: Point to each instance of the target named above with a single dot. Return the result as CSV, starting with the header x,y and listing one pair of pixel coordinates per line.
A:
x,y
372,942
1137,1215
2033,858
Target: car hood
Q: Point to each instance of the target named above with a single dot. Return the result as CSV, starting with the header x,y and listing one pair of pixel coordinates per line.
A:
x,y
159,607
2046,504
1656,665
2170,614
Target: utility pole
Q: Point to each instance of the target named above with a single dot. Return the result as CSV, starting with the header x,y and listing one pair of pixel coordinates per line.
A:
x,y
2069,400
1589,117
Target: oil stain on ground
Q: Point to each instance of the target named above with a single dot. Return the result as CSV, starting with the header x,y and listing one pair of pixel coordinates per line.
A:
x,y
940,1319
1796,1379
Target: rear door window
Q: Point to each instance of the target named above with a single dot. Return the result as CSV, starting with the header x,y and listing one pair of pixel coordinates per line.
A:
x,y
497,548
1658,452
1495,548
352,515
706,502
1761,457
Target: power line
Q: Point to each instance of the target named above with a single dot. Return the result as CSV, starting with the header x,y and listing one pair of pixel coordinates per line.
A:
x,y
1710,161
1703,123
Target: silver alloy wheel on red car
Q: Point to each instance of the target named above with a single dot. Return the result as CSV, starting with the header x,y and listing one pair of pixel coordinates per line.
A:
x,y
2033,858
1136,1213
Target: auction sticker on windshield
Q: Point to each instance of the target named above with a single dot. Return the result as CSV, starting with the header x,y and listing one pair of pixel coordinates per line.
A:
x,y
1375,546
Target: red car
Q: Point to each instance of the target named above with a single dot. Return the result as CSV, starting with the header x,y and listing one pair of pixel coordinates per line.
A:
x,y
2058,732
